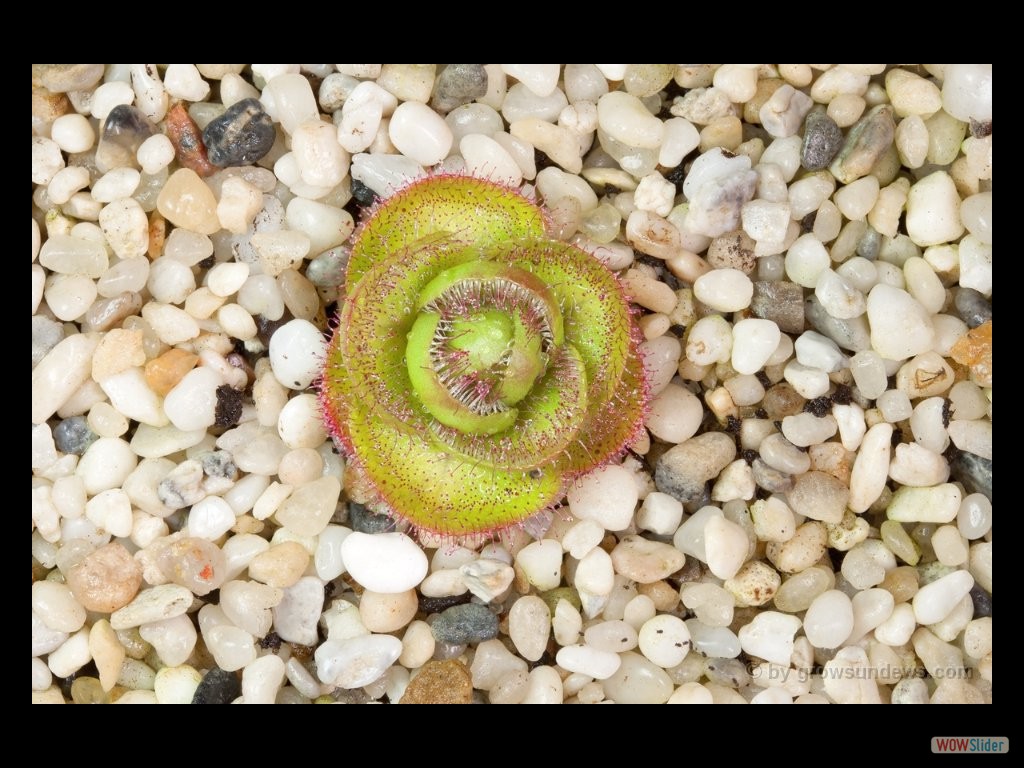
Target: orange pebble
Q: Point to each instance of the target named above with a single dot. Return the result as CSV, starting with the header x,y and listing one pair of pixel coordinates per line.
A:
x,y
164,372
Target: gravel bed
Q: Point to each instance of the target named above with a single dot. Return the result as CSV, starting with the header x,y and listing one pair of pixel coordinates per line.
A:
x,y
806,518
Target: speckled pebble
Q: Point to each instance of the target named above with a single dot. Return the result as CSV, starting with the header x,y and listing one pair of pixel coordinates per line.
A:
x,y
822,140
469,623
240,136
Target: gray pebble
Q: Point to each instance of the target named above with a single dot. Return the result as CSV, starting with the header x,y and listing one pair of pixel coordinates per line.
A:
x,y
363,520
217,687
684,470
779,301
218,464
869,244
458,84
971,305
822,139
241,136
975,472
770,479
328,269
46,334
866,142
469,623
854,335
73,435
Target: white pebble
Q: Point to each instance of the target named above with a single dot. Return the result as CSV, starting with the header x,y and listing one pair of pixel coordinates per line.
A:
x,y
806,260
364,556
588,661
871,467
72,655
665,640
829,619
607,495
784,112
176,684
57,607
976,265
106,464
754,341
154,604
210,518
155,154
974,518
900,326
296,353
655,193
420,133
806,429
934,601
486,158
73,133
709,340
288,98
659,513
625,118
541,562
110,95
937,504
725,545
727,290
541,79
111,510
356,661
769,636
170,281
183,81
933,210
321,160
232,647
529,622
675,414
638,681
967,91
680,139
173,639
192,404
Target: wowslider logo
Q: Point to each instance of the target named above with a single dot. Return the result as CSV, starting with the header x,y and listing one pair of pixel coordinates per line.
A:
x,y
970,744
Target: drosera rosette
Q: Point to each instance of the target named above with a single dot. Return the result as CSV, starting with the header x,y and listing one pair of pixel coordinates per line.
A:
x,y
477,366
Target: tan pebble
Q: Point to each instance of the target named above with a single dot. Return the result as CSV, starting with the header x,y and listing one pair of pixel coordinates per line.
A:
x,y
725,132
117,351
187,202
661,593
755,584
390,612
164,372
106,579
157,235
107,653
765,88
280,566
901,582
801,551
440,682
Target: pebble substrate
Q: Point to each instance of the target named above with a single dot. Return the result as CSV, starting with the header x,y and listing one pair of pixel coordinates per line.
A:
x,y
809,519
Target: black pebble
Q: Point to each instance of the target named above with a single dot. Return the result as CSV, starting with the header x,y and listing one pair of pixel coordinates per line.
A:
x,y
362,194
229,406
362,520
218,687
439,604
973,471
241,136
982,601
73,435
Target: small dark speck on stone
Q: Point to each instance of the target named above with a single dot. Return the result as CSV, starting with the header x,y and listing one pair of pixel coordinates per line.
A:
x,y
749,455
807,222
438,604
981,129
218,687
677,176
271,640
208,262
229,406
733,425
947,412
